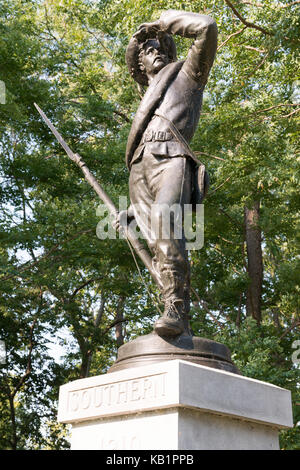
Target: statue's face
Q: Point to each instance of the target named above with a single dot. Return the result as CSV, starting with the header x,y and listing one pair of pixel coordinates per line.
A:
x,y
153,58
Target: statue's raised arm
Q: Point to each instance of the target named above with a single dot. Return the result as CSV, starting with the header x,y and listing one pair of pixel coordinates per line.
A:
x,y
201,27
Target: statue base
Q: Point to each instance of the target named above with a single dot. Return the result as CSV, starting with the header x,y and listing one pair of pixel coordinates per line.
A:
x,y
151,349
174,405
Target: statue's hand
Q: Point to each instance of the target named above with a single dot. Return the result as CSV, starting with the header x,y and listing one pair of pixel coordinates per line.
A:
x,y
122,219
147,31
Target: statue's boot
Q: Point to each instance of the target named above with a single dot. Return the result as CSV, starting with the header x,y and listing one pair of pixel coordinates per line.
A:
x,y
171,323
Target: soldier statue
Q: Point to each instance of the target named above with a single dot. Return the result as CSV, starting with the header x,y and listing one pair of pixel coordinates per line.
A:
x,y
163,169
164,173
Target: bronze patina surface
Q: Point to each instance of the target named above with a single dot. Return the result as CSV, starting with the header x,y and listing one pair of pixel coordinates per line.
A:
x,y
152,348
164,172
163,169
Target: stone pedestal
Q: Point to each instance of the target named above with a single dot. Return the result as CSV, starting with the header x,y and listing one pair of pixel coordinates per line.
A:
x,y
174,405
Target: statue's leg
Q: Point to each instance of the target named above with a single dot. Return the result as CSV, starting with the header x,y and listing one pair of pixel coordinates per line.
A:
x,y
141,200
170,182
159,188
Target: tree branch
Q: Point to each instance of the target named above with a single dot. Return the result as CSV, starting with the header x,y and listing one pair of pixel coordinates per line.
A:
x,y
294,325
120,316
261,51
98,40
257,67
86,283
252,4
220,185
208,155
203,304
289,4
100,312
232,267
28,367
228,241
236,222
291,114
248,23
70,58
231,36
278,106
114,323
25,266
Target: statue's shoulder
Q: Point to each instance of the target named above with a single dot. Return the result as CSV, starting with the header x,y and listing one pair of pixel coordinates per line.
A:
x,y
168,71
159,84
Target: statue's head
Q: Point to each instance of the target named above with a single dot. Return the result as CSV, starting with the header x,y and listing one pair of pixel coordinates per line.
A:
x,y
145,59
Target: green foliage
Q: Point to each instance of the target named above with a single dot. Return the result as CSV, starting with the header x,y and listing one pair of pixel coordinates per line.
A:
x,y
59,282
261,353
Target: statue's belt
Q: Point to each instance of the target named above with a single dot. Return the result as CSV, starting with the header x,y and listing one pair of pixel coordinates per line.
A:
x,y
157,136
200,177
180,139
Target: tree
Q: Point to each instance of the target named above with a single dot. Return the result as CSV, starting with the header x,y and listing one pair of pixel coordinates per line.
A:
x,y
68,56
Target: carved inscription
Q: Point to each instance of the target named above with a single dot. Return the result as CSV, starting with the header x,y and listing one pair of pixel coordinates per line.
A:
x,y
122,442
117,394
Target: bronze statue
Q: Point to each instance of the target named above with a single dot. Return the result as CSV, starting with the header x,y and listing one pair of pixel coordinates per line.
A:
x,y
164,172
163,169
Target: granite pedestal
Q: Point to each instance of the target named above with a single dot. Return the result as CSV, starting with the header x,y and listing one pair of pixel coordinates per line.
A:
x,y
174,405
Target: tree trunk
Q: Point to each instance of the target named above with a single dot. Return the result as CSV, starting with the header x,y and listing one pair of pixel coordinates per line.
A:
x,y
14,438
119,326
85,362
86,345
255,264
